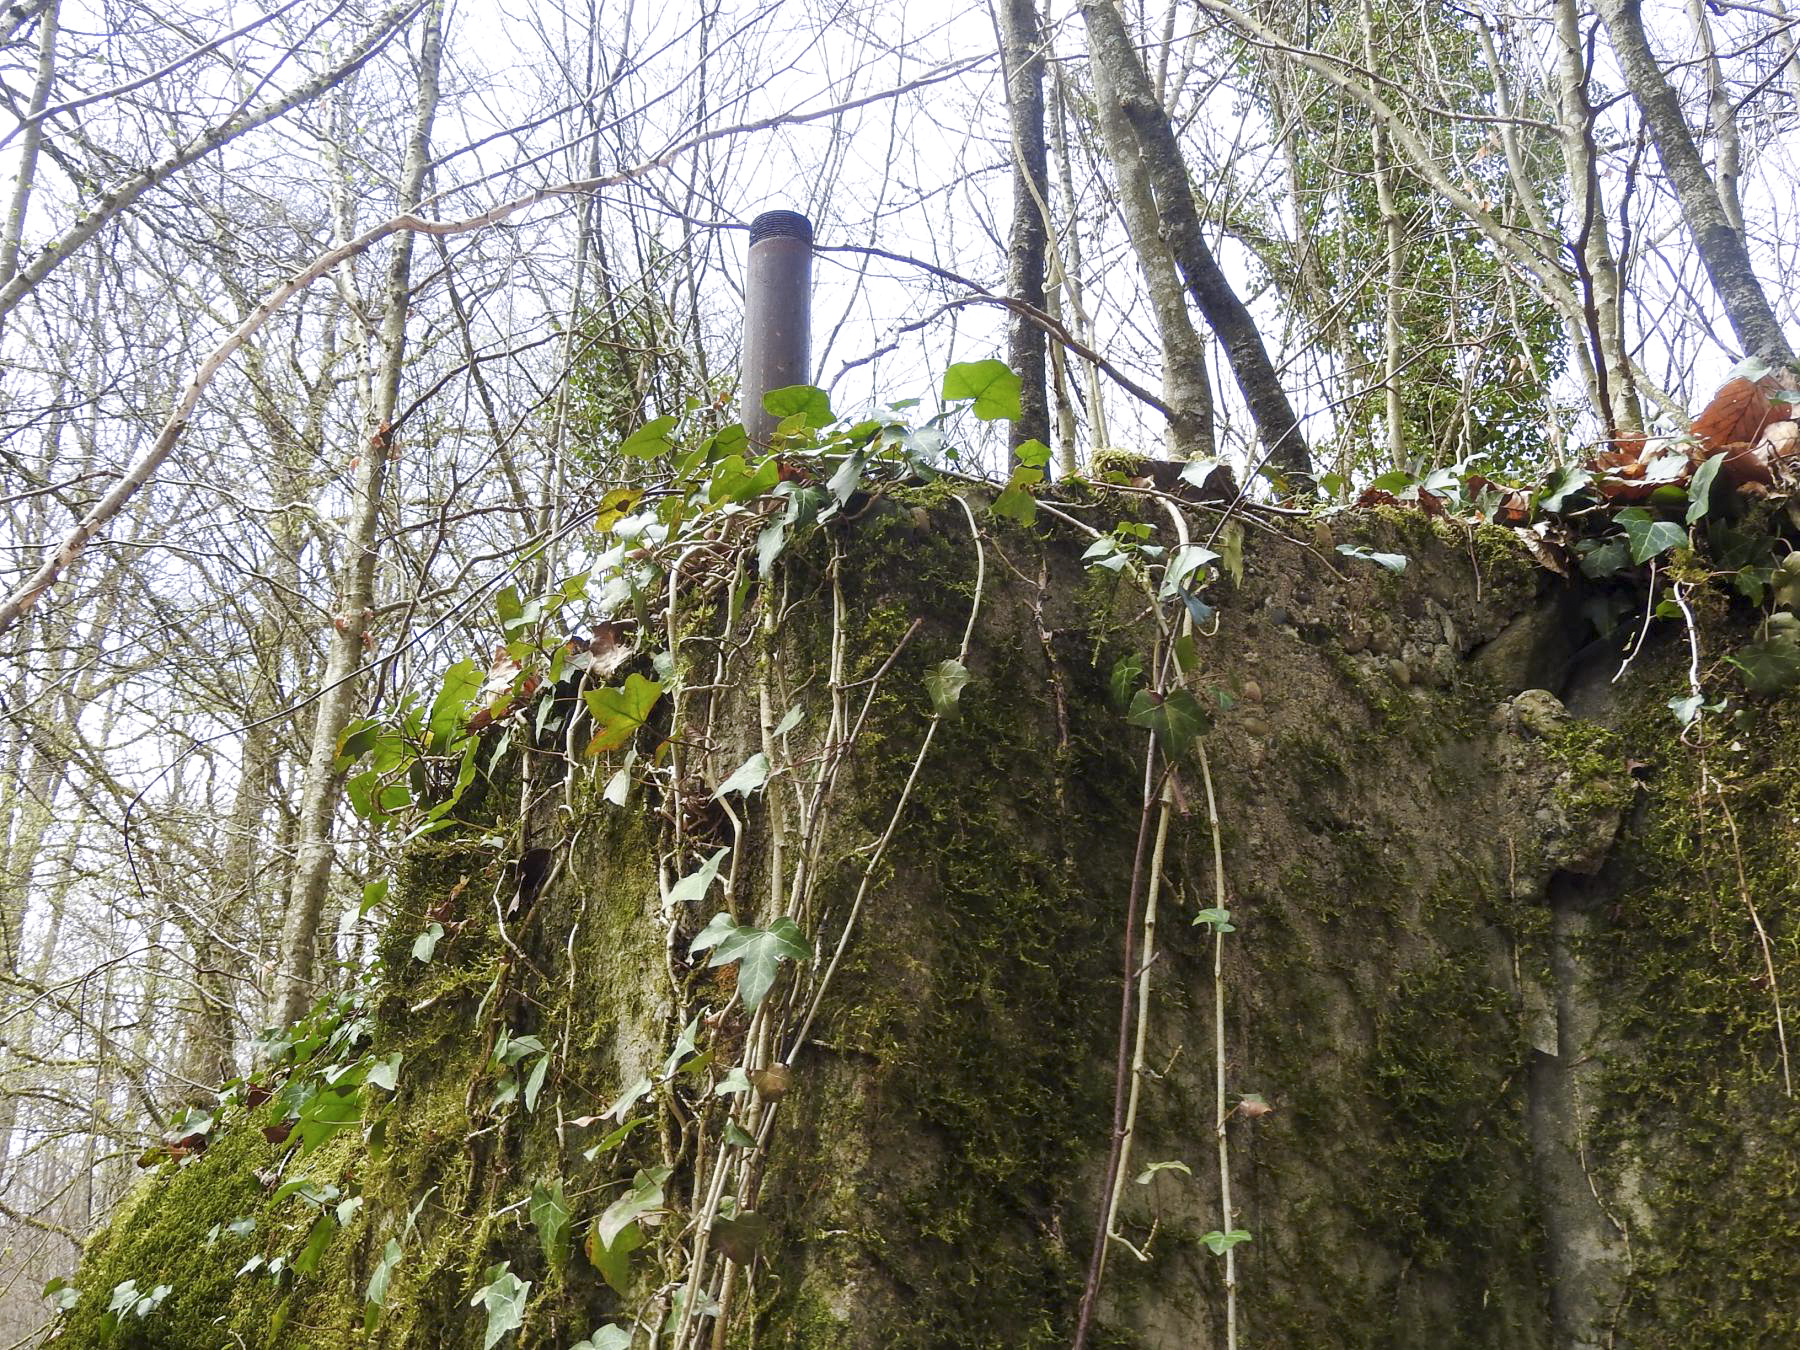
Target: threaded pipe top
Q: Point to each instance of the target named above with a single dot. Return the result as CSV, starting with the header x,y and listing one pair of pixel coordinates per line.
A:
x,y
781,225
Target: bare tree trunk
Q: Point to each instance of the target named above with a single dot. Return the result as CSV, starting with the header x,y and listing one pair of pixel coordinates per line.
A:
x,y
1729,156
320,787
1186,388
1396,267
1722,249
1615,382
1069,274
1022,63
1119,76
29,145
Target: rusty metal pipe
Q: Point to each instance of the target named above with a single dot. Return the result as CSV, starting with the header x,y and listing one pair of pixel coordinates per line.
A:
x,y
777,315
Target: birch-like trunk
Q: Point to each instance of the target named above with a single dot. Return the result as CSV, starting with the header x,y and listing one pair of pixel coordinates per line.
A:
x,y
1396,268
1722,249
1186,388
1615,383
1119,73
320,789
1022,59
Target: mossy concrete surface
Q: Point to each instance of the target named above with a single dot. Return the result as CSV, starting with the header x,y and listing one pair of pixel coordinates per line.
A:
x,y
1499,969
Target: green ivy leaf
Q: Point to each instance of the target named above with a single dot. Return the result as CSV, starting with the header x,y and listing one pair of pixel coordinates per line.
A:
x,y
739,1236
1144,1177
613,1259
504,1294
749,776
649,440
1188,558
1770,667
735,481
606,1338
695,885
800,400
759,952
620,712
1219,920
375,1296
991,384
1015,502
645,1196
62,1294
550,1216
768,547
461,683
384,1073
1126,673
535,1083
1177,718
1394,562
324,1229
425,945
1033,454
1647,536
1699,491
945,682
1219,1243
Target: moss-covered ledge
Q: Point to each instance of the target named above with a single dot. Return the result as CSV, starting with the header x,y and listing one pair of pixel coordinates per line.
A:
x,y
1490,957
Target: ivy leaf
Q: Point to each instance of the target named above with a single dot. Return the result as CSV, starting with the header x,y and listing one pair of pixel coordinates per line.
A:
x,y
535,1083
1105,552
759,952
606,1338
505,1295
385,1073
613,1259
461,683
1187,559
790,720
550,1216
62,1294
1219,920
1231,552
375,1296
1033,454
1686,707
733,480
737,1136
645,1195
1219,1243
1699,492
1144,1177
1648,536
1605,559
801,400
991,384
1394,562
768,547
620,712
739,1236
945,682
695,885
1564,486
1126,673
615,506
649,440
1016,501
328,1113
750,775
1769,667
425,945
324,1228
1177,718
